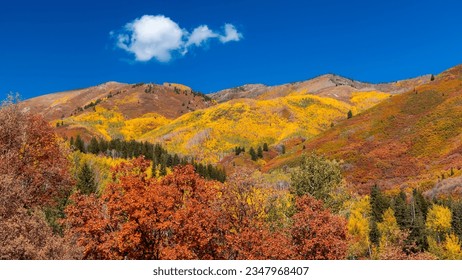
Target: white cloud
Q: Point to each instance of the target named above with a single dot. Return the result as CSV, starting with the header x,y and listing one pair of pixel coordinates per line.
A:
x,y
158,37
199,35
151,37
231,34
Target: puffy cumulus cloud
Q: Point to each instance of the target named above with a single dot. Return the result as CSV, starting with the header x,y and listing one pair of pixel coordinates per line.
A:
x,y
151,37
158,37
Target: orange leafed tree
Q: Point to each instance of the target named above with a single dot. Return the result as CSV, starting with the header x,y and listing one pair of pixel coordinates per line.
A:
x,y
183,216
316,233
141,218
34,173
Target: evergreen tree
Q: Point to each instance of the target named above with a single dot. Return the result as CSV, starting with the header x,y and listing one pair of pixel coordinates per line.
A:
x,y
457,218
93,147
86,180
418,209
421,204
260,152
154,168
401,210
349,114
79,145
379,203
176,160
374,234
71,142
265,147
253,154
163,169
283,149
103,145
432,78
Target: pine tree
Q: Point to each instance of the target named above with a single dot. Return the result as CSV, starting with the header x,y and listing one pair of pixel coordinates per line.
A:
x,y
260,152
79,145
374,234
265,147
283,149
379,203
71,142
176,160
253,154
349,114
154,168
163,169
86,180
457,218
103,145
93,147
401,210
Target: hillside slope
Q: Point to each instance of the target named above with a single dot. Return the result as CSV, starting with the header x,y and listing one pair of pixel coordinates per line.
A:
x,y
115,110
211,133
409,140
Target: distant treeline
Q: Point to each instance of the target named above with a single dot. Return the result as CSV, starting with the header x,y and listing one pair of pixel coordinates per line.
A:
x,y
155,152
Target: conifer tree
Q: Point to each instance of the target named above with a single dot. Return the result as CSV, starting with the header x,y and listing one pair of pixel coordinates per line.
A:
x,y
457,218
379,203
265,147
86,180
253,154
93,147
349,114
401,211
163,169
260,152
374,234
79,145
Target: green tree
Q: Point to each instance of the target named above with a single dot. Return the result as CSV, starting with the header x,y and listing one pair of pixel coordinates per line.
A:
x,y
253,154
418,208
283,149
374,234
401,211
349,114
79,145
260,152
163,169
457,218
379,203
316,176
86,180
93,147
265,147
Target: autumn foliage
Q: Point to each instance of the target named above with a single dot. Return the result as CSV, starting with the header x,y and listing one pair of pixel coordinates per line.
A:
x,y
183,216
317,234
34,173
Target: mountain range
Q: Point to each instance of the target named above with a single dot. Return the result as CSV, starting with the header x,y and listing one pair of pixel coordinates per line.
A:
x,y
398,135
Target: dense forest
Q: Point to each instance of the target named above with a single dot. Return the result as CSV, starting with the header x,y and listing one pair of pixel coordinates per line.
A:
x,y
134,200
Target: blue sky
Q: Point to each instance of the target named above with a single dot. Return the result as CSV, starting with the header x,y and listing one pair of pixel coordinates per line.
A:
x,y
49,46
